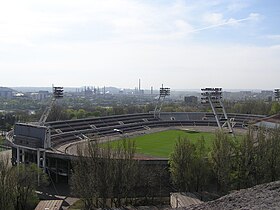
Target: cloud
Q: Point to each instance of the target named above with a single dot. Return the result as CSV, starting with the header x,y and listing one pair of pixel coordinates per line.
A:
x,y
254,16
32,22
115,42
216,20
236,6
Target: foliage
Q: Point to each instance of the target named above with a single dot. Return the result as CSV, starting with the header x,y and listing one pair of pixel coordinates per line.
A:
x,y
221,157
189,166
253,160
244,161
248,107
182,164
235,163
26,183
7,184
275,108
18,184
201,167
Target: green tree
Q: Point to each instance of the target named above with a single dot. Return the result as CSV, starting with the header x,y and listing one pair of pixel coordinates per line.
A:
x,y
57,113
201,167
260,156
81,113
273,154
244,161
221,157
275,108
181,164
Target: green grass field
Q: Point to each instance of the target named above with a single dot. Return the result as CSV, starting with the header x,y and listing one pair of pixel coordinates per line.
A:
x,y
161,144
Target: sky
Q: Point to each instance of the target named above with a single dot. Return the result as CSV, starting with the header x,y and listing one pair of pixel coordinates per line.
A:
x,y
183,44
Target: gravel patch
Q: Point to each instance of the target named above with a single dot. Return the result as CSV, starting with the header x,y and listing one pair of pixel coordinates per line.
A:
x,y
265,196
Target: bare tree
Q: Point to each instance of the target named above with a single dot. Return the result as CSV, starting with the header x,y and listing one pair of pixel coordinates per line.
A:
x,y
109,173
18,184
26,183
7,184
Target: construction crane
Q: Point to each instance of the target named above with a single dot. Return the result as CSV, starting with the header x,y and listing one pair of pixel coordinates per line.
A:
x,y
57,93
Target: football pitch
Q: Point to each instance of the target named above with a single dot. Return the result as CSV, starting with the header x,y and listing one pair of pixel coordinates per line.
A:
x,y
161,144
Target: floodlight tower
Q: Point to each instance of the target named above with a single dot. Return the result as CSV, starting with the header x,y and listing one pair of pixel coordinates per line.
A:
x,y
163,92
277,94
57,93
213,96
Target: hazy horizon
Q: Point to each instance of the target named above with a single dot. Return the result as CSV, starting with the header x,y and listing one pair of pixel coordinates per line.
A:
x,y
183,44
120,88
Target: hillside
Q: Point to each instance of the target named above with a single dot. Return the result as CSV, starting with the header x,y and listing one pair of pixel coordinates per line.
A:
x,y
265,196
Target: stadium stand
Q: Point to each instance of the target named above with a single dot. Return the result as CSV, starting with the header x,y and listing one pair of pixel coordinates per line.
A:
x,y
75,130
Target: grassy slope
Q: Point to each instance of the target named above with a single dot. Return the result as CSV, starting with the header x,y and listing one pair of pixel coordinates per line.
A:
x,y
161,144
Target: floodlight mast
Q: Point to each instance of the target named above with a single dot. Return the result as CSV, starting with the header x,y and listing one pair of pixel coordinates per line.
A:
x,y
163,92
57,93
277,94
213,96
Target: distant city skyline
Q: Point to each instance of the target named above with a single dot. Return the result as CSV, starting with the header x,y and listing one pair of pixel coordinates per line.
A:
x,y
183,44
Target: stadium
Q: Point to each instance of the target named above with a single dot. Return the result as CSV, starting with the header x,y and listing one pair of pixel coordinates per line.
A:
x,y
50,145
53,145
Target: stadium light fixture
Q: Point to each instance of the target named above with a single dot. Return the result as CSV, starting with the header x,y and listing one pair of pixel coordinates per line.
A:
x,y
163,92
213,96
277,94
57,94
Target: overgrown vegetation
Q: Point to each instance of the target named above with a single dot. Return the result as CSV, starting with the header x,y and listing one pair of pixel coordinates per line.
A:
x,y
233,164
106,177
18,184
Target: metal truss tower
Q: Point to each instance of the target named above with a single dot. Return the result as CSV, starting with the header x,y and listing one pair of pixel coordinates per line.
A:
x,y
57,93
213,96
163,92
